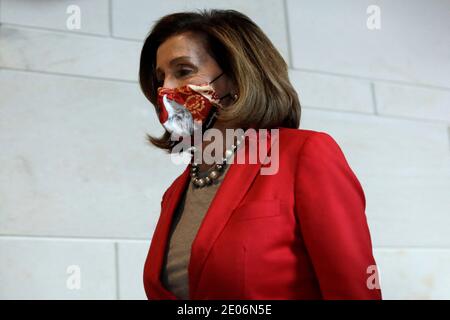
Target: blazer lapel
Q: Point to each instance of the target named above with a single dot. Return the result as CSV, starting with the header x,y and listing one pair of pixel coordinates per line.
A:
x,y
239,176
161,235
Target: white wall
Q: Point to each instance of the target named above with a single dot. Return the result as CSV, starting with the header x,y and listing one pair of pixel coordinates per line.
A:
x,y
79,185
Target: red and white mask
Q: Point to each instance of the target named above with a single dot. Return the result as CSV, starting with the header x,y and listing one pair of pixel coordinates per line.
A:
x,y
187,108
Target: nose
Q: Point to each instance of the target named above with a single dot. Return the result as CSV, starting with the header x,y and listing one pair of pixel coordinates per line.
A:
x,y
170,83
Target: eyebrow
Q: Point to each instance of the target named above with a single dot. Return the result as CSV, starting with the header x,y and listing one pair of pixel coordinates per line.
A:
x,y
174,61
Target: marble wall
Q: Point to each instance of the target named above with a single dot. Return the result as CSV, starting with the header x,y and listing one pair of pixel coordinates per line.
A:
x,y
79,184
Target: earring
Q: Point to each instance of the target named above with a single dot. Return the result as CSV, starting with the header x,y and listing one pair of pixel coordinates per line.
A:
x,y
235,96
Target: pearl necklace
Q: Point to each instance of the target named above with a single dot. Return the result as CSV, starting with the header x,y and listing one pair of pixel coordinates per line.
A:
x,y
216,171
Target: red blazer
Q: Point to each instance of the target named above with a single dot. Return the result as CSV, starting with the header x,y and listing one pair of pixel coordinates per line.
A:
x,y
301,233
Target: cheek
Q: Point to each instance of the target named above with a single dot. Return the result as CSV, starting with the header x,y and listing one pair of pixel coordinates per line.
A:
x,y
199,77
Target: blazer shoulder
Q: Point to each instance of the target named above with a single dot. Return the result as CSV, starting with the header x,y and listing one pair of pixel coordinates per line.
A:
x,y
305,139
297,134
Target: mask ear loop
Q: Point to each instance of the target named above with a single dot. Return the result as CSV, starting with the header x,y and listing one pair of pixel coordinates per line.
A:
x,y
234,97
216,78
228,94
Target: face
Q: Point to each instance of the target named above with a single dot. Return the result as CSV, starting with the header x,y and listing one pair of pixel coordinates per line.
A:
x,y
183,59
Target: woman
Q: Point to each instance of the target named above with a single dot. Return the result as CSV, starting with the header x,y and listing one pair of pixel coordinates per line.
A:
x,y
226,230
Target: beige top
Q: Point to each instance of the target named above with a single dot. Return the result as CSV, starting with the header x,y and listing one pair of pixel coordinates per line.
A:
x,y
187,219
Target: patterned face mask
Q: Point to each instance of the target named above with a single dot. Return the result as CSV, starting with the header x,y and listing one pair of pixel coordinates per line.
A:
x,y
186,109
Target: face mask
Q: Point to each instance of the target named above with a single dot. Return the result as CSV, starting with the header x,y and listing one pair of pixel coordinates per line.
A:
x,y
186,109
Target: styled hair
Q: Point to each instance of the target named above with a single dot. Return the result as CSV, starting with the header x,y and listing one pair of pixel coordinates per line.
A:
x,y
266,98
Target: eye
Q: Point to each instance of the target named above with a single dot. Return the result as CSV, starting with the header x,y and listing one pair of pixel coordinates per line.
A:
x,y
183,72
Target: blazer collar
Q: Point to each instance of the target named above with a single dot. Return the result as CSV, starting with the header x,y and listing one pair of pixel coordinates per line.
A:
x,y
224,202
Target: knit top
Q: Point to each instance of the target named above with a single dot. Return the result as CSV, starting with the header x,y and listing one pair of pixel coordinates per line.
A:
x,y
187,218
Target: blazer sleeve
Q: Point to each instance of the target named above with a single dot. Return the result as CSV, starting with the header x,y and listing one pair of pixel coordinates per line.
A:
x,y
330,207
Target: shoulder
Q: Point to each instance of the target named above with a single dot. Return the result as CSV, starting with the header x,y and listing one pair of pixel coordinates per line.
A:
x,y
308,142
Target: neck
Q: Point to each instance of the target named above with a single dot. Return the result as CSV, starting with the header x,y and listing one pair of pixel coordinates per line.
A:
x,y
225,144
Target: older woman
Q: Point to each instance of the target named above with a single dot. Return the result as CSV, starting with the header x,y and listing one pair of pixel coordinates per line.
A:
x,y
226,230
